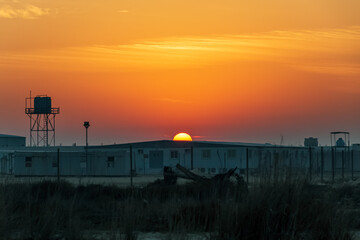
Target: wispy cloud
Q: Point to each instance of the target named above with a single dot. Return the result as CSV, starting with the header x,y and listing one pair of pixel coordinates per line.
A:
x,y
122,11
199,137
25,12
331,51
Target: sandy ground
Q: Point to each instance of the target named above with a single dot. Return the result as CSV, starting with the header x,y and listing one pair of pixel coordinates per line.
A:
x,y
147,236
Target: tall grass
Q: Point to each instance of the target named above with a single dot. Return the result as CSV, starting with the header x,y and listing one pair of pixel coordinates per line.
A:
x,y
50,210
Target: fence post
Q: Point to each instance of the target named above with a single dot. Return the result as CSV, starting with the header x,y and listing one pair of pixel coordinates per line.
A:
x,y
58,165
352,164
333,164
240,167
131,167
247,165
192,158
310,164
290,167
343,165
322,164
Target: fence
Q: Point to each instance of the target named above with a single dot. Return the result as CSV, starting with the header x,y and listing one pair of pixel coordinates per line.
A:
x,y
254,163
325,164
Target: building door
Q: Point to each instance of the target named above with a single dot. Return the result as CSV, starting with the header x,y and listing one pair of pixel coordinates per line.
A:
x,y
156,159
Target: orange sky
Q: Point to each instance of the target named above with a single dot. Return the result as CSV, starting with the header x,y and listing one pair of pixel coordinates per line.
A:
x,y
220,70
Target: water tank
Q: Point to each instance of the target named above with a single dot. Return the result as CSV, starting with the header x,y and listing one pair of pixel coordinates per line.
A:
x,y
42,105
340,143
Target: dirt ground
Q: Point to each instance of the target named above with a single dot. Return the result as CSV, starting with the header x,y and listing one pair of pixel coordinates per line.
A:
x,y
137,181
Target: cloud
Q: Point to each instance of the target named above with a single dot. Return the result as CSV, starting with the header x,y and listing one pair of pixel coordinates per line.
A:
x,y
26,12
199,137
122,11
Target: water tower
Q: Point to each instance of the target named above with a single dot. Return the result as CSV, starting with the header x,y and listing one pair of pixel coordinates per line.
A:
x,y
42,120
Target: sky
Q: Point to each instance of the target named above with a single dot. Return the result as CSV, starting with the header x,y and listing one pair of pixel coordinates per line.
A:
x,y
140,70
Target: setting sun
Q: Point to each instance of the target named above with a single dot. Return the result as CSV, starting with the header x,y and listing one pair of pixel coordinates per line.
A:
x,y
182,137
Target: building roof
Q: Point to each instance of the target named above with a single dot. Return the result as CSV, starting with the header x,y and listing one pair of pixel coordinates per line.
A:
x,y
10,136
181,144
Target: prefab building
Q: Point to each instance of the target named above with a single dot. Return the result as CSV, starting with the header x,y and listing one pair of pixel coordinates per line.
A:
x,y
11,141
71,163
147,158
212,157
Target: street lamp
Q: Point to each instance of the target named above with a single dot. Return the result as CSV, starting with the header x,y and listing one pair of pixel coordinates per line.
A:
x,y
86,125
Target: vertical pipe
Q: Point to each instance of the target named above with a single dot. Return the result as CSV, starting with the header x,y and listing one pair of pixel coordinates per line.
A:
x,y
310,164
192,158
333,164
131,168
343,165
247,165
322,165
58,165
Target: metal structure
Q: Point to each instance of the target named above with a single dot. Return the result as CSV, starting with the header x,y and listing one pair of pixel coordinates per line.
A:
x,y
42,120
344,146
346,138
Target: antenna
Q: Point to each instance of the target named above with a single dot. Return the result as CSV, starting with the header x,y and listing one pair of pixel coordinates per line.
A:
x,y
281,139
42,120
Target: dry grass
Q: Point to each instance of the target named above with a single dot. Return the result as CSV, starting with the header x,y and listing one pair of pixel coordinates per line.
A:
x,y
50,210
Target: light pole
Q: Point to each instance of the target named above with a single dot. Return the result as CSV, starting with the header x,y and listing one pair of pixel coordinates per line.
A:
x,y
86,125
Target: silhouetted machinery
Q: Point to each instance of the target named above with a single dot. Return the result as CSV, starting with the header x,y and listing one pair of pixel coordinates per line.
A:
x,y
169,176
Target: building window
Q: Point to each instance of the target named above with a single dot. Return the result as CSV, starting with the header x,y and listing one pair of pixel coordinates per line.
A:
x,y
28,162
206,154
174,154
54,163
231,153
111,162
140,151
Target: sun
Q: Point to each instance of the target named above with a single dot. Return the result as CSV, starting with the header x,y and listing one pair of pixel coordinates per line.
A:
x,y
182,137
